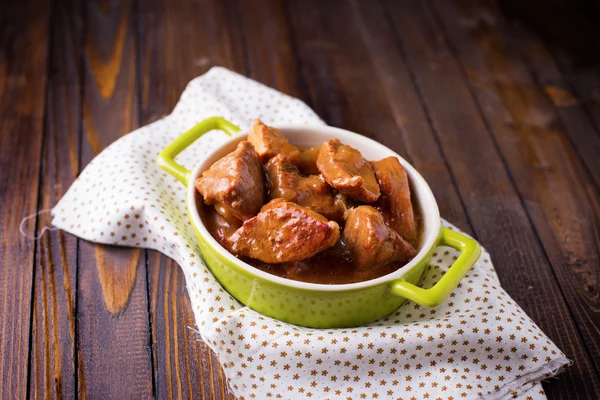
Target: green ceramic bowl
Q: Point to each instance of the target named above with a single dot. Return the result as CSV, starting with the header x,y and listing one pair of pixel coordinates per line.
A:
x,y
319,305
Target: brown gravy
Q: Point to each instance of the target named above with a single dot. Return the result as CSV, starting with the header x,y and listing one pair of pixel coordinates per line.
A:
x,y
332,266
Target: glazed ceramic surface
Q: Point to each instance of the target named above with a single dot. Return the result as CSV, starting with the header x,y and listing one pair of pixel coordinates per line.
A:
x,y
320,305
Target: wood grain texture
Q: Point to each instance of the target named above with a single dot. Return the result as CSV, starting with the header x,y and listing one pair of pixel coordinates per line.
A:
x,y
268,45
533,142
114,357
493,203
52,367
572,37
572,112
180,40
24,47
584,81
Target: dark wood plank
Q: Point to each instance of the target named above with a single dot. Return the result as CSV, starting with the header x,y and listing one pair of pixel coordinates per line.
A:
x,y
536,149
24,48
572,112
180,40
570,26
493,204
584,82
113,329
52,362
570,29
269,46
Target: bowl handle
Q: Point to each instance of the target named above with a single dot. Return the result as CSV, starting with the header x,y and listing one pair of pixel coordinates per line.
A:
x,y
166,158
470,252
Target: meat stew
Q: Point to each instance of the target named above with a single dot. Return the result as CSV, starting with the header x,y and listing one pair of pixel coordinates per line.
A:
x,y
352,221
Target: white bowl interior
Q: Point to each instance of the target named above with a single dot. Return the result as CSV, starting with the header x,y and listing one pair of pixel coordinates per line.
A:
x,y
311,136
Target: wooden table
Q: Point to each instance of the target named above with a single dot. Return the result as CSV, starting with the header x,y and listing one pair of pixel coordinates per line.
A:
x,y
502,119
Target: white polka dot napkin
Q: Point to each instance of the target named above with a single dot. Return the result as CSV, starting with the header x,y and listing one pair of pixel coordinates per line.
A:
x,y
479,343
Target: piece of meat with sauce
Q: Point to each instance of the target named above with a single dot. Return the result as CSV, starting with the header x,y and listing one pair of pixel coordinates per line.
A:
x,y
234,184
220,227
308,161
395,203
285,181
284,232
371,242
269,142
345,169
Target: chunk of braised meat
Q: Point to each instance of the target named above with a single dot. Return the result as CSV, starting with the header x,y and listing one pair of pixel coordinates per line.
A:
x,y
285,181
234,184
371,242
345,169
342,202
269,142
395,202
284,232
221,228
308,161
